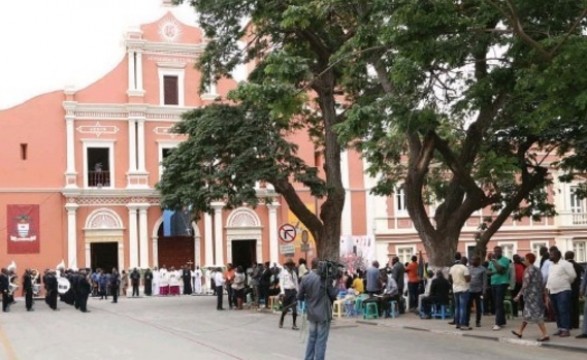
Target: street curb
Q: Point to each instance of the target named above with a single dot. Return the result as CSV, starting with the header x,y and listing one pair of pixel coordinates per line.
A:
x,y
500,339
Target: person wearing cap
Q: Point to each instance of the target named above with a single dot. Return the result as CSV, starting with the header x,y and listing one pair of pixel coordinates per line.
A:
x,y
288,284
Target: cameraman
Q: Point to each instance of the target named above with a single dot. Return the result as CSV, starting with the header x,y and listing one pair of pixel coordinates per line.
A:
x,y
318,291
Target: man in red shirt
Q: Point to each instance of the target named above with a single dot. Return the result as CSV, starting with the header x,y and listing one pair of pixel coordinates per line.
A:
x,y
519,269
413,283
229,277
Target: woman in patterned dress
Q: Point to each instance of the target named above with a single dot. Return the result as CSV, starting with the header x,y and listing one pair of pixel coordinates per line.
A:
x,y
533,293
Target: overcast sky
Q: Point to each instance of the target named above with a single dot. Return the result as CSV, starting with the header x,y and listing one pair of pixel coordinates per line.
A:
x,y
49,44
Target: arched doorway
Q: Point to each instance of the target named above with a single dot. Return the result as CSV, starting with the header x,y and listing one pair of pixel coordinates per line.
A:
x,y
104,246
175,250
244,238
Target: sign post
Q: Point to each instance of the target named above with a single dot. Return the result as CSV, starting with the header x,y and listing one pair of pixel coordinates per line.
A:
x,y
287,232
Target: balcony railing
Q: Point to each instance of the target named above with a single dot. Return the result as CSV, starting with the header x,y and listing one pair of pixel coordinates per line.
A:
x,y
99,178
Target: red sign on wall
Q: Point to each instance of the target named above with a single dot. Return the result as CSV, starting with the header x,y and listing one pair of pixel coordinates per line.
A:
x,y
23,229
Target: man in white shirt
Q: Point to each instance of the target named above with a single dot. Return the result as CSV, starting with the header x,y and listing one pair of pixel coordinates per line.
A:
x,y
288,283
561,276
460,287
219,284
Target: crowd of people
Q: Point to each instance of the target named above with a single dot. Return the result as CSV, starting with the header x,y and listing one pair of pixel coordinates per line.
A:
x,y
545,290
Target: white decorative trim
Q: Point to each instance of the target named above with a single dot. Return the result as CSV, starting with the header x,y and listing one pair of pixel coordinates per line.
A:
x,y
243,217
99,143
537,244
180,73
97,129
405,247
162,145
105,218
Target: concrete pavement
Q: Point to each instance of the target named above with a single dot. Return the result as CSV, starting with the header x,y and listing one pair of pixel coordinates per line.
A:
x,y
189,327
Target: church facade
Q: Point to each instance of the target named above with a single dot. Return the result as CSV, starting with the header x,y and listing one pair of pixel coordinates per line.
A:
x,y
81,165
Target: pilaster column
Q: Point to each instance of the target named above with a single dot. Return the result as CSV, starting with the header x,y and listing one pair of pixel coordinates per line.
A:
x,y
347,216
139,69
197,257
120,256
141,144
273,235
209,251
131,70
132,145
71,235
155,240
88,251
143,238
218,232
133,241
69,119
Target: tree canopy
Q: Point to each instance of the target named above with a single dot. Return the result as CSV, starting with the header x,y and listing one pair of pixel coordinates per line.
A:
x,y
465,102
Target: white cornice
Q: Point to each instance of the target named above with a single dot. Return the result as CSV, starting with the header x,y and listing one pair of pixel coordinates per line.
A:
x,y
95,112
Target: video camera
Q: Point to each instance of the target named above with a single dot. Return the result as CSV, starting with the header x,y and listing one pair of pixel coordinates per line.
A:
x,y
328,269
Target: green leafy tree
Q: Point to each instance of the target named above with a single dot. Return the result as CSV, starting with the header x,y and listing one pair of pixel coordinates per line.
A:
x,y
468,102
293,90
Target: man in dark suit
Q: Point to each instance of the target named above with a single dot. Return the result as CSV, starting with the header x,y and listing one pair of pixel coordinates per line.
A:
x,y
27,286
83,290
4,287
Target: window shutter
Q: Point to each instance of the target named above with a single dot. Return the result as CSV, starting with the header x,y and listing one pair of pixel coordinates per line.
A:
x,y
170,90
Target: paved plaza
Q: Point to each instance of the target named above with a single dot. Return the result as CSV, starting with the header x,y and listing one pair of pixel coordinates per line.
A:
x,y
189,327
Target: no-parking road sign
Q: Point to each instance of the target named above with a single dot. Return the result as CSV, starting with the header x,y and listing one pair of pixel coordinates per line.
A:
x,y
287,232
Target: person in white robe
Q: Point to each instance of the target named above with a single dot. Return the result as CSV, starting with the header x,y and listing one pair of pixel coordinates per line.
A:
x,y
156,281
163,281
197,274
174,283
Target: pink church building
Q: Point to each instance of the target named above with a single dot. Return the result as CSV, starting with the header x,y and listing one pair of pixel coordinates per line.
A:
x,y
80,168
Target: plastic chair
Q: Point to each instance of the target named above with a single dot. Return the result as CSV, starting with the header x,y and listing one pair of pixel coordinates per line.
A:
x,y
393,310
441,313
359,303
371,311
337,308
349,308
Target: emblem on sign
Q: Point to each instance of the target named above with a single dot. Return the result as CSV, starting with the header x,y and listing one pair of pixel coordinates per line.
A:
x,y
287,232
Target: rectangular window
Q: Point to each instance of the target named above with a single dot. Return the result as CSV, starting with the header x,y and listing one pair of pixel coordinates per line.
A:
x,y
508,249
404,253
170,90
400,200
98,167
579,250
23,151
536,247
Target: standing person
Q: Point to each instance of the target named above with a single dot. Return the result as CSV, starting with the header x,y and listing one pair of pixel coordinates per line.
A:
x,y
302,268
533,292
238,287
460,287
228,278
135,280
27,287
173,276
51,288
265,283
4,288
575,289
519,275
198,280
84,290
124,283
500,279
397,271
477,287
583,293
186,276
219,284
372,276
114,285
545,262
156,279
413,283
148,282
318,292
560,278
288,283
